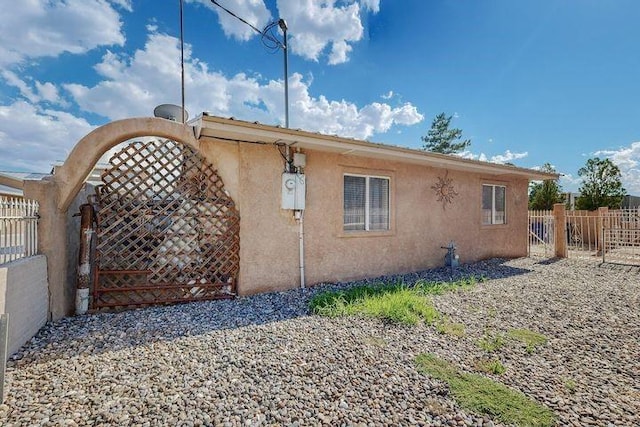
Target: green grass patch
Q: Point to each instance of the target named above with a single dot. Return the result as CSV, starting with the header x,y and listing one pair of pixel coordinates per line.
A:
x,y
487,397
439,288
392,301
527,337
491,366
491,343
571,385
447,327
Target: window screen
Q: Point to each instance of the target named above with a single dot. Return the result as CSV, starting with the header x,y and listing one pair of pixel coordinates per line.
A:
x,y
378,204
366,203
499,205
493,204
354,202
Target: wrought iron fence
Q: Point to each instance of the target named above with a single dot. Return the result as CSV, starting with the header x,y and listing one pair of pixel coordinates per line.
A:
x,y
18,228
541,233
583,231
621,236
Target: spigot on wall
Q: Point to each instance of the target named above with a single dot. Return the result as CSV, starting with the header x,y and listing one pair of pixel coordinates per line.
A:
x,y
451,259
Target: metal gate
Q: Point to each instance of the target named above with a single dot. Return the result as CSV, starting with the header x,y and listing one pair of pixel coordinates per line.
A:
x,y
621,237
584,232
541,234
167,230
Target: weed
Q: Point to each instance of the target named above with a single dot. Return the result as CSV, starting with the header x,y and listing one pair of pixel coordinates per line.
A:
x,y
491,343
530,339
446,327
392,301
570,385
485,396
491,366
400,306
439,288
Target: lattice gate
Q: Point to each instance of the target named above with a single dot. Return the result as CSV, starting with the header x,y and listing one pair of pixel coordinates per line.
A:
x,y
167,231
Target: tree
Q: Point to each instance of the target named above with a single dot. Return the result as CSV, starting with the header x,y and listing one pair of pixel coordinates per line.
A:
x,y
441,139
601,185
543,195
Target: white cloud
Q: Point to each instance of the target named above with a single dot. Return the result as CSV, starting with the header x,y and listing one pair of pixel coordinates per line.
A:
x,y
372,5
339,52
12,79
628,160
32,139
388,95
507,157
39,28
315,26
134,85
570,183
38,93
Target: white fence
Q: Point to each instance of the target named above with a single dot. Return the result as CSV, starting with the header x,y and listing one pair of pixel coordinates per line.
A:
x,y
18,228
541,233
603,235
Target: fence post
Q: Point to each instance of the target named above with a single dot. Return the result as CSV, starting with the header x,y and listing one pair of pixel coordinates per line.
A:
x,y
560,218
601,223
4,339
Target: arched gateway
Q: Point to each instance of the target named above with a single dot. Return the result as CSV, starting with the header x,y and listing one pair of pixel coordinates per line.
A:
x,y
166,230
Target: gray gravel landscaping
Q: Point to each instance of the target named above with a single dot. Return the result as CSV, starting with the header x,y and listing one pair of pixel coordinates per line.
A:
x,y
264,360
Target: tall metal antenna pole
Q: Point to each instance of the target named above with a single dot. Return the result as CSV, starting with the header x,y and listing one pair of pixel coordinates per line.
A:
x,y
283,26
271,43
184,119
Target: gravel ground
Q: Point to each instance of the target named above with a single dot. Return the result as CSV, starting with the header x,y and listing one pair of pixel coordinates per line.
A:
x,y
264,360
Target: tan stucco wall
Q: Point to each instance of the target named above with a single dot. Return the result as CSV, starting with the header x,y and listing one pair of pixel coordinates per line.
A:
x,y
420,224
269,235
24,297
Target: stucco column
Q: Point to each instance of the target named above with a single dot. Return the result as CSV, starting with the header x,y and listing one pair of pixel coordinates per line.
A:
x,y
560,218
52,242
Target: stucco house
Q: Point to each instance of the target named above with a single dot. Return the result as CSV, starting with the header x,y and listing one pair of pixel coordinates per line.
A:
x,y
246,208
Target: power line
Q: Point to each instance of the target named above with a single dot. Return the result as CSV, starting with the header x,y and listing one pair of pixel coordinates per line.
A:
x,y
266,36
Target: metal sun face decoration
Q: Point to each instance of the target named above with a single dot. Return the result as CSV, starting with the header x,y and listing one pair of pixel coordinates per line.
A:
x,y
445,192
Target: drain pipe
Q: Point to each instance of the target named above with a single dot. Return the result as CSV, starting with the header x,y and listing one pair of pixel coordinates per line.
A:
x,y
299,215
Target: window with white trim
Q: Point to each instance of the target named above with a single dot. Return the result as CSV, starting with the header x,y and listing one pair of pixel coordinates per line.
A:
x,y
366,203
493,204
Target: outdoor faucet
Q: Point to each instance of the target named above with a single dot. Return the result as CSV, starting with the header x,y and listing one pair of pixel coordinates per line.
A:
x,y
451,259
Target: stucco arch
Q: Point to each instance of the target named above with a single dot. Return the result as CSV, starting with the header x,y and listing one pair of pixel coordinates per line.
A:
x,y
71,175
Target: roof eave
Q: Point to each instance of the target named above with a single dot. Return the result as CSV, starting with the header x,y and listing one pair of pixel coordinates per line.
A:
x,y
237,130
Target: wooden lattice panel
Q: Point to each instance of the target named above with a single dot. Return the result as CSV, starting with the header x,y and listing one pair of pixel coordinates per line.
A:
x,y
167,229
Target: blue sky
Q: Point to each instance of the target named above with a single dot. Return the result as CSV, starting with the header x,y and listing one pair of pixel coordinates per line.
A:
x,y
528,82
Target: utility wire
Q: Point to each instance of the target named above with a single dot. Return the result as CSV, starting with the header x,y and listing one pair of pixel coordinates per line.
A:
x,y
266,34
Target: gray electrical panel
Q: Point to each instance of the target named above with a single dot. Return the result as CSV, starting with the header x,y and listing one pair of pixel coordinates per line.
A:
x,y
293,191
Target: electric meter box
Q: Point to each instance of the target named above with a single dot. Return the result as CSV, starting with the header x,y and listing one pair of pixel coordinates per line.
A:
x,y
293,191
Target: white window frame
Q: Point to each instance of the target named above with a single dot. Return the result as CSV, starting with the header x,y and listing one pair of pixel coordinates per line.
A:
x,y
493,219
367,213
